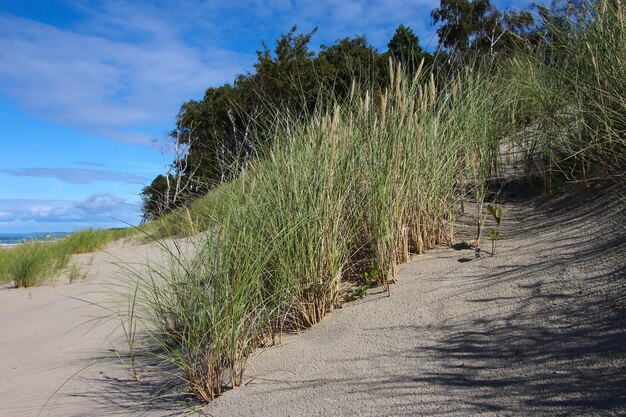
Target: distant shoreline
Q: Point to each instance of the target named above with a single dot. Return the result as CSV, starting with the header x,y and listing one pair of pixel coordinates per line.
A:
x,y
8,240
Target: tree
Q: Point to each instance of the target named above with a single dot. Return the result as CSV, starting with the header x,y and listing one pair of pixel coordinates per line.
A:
x,y
154,199
521,29
347,60
287,78
461,23
560,20
215,137
471,29
404,47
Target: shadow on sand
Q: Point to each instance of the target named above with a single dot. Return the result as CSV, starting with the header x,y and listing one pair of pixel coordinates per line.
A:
x,y
556,345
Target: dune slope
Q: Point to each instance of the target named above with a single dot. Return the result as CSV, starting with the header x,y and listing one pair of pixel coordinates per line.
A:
x,y
537,330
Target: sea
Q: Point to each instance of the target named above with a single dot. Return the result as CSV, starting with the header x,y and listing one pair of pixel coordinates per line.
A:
x,y
12,239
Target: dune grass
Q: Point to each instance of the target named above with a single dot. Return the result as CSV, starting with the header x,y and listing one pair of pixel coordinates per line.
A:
x,y
575,99
178,223
358,187
30,264
33,263
90,240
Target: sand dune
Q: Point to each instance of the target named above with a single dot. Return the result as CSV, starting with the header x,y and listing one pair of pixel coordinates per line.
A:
x,y
537,330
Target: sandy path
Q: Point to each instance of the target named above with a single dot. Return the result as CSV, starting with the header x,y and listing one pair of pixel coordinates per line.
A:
x,y
537,330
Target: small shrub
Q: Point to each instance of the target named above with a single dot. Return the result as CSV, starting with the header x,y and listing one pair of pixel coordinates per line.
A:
x,y
357,293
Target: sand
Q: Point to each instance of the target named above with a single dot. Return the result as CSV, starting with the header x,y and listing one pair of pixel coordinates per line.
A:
x,y
537,330
58,342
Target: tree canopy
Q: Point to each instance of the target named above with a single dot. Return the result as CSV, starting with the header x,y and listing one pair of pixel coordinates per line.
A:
x,y
404,47
474,28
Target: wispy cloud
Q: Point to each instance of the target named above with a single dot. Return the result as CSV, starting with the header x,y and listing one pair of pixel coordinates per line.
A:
x,y
92,164
108,75
100,202
125,64
77,175
377,19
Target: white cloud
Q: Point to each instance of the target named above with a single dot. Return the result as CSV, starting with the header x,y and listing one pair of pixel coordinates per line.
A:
x,y
126,64
377,19
100,202
96,210
104,83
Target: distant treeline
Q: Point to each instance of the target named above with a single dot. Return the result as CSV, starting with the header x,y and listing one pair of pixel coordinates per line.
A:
x,y
215,138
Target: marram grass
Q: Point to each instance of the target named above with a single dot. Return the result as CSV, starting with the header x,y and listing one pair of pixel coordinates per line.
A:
x,y
356,188
359,186
30,264
575,100
33,263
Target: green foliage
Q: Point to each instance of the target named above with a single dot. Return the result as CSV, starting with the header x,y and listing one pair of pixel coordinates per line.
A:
x,y
4,278
494,234
404,48
90,240
288,79
462,23
574,91
197,217
351,60
372,276
474,30
357,293
155,198
496,212
576,86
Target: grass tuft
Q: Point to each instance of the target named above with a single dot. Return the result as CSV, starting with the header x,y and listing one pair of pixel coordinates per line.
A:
x,y
33,263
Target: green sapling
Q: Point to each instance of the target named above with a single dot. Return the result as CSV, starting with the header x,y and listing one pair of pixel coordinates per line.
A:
x,y
494,234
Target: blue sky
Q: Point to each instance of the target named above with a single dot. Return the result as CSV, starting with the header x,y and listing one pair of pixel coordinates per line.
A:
x,y
88,89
